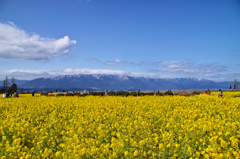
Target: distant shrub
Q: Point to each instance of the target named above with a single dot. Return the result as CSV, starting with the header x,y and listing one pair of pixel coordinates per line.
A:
x,y
77,94
133,93
142,94
149,94
168,93
59,95
125,94
159,94
84,94
100,94
69,94
43,94
111,93
122,93
93,93
196,93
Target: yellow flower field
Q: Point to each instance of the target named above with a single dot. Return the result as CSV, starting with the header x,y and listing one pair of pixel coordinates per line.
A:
x,y
120,127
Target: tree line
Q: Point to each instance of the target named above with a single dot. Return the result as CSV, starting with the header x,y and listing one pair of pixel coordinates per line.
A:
x,y
9,85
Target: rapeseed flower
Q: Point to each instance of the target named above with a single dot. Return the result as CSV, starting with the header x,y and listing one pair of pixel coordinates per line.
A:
x,y
96,127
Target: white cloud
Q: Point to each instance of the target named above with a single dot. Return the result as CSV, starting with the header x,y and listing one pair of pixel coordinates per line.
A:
x,y
223,76
118,62
138,63
33,74
185,67
15,43
115,62
93,59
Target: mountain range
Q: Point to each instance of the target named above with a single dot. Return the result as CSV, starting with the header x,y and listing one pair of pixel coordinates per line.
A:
x,y
99,82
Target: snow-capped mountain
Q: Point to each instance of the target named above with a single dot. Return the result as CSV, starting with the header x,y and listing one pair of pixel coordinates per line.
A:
x,y
101,82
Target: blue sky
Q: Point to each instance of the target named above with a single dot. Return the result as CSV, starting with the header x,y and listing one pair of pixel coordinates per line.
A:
x,y
157,38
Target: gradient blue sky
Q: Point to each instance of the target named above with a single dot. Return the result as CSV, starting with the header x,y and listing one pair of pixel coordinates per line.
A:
x,y
150,38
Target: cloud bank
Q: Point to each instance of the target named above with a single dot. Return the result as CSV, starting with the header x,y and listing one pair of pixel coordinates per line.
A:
x,y
33,74
177,69
118,62
15,43
224,76
93,59
115,62
138,63
188,68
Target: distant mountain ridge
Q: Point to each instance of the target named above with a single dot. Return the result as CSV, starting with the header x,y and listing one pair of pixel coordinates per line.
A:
x,y
102,82
18,82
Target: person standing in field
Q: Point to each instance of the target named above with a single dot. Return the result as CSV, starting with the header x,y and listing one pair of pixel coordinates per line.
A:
x,y
138,93
4,95
7,94
234,86
220,93
230,87
208,92
15,94
154,93
106,93
33,93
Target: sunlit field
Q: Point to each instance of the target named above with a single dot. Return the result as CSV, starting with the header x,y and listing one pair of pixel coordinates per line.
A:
x,y
198,126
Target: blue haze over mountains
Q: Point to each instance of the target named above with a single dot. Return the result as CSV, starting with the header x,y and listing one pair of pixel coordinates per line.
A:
x,y
104,82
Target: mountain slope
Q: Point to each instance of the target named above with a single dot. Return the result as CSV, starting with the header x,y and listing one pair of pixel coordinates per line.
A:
x,y
100,82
